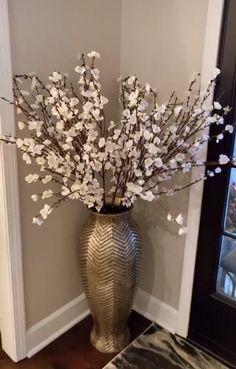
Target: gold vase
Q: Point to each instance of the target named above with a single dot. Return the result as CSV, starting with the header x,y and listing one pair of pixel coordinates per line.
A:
x,y
110,256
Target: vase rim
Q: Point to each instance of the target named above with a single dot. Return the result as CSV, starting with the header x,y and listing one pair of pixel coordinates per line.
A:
x,y
112,214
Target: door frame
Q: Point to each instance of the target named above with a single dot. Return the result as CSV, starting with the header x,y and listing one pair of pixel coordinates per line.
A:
x,y
12,302
210,54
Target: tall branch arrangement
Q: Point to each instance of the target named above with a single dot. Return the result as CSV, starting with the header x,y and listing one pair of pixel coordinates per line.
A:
x,y
91,159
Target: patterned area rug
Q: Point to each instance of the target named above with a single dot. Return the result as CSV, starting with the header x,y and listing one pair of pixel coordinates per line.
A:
x,y
158,349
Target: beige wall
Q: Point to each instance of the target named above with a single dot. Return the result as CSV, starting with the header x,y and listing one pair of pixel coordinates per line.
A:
x,y
162,43
47,35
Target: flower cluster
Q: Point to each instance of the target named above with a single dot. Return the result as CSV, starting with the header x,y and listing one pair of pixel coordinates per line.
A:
x,y
91,159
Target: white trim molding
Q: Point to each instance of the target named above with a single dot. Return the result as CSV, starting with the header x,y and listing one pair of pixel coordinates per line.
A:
x,y
54,325
12,306
212,37
155,310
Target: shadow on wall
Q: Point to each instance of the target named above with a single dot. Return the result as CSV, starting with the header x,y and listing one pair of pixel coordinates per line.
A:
x,y
161,267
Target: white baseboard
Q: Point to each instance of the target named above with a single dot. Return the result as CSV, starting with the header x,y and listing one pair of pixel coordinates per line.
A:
x,y
47,330
57,323
156,310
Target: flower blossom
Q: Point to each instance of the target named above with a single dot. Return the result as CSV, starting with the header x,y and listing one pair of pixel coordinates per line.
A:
x,y
68,138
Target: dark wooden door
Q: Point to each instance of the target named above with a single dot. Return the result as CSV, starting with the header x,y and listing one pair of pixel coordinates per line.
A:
x,y
213,311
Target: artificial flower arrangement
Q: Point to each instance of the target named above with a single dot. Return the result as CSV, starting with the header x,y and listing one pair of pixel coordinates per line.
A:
x,y
91,159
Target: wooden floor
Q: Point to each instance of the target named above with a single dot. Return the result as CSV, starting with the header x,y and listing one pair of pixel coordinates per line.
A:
x,y
73,350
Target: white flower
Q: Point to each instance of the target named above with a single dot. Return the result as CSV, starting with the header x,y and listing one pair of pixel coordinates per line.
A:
x,y
34,197
55,77
148,196
35,124
97,166
131,80
186,167
169,217
220,120
172,129
137,136
47,194
156,129
53,160
92,135
116,133
161,109
39,98
152,149
210,173
177,110
211,119
133,98
148,162
94,54
227,109
179,157
87,106
79,69
60,125
26,158
219,137
111,125
37,220
47,179
173,164
138,172
182,231
74,101
101,142
65,147
126,113
229,128
32,178
21,125
223,159
54,93
47,142
218,170
19,143
147,135
179,219
104,100
45,211
132,187
108,165
87,148
158,162
147,87
217,105
65,191
79,125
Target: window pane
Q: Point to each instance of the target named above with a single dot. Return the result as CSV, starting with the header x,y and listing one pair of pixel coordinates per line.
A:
x,y
230,217
226,278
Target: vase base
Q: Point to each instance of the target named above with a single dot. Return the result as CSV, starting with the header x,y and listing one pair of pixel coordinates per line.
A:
x,y
112,343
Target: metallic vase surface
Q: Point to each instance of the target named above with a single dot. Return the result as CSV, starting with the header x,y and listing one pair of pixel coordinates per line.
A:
x,y
110,256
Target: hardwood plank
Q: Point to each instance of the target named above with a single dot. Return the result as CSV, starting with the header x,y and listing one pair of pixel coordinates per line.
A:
x,y
73,350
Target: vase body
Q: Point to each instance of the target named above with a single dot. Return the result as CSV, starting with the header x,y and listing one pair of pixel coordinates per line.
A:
x,y
110,256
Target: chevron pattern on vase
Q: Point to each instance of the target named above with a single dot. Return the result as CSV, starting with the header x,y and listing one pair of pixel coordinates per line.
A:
x,y
110,257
